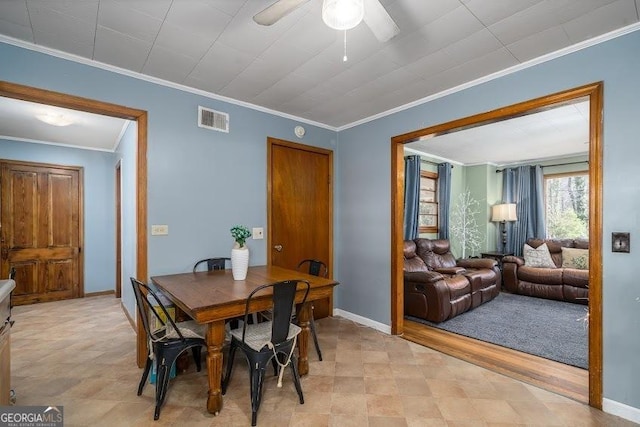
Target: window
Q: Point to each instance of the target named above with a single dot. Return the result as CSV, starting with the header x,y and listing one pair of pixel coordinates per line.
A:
x,y
567,205
428,216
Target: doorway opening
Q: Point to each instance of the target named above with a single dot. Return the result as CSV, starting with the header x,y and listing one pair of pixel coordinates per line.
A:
x,y
470,349
42,96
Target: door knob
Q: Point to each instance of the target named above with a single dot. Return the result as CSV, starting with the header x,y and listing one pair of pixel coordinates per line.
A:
x,y
278,248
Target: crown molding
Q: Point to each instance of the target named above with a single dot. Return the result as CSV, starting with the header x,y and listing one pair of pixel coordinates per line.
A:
x,y
57,144
432,156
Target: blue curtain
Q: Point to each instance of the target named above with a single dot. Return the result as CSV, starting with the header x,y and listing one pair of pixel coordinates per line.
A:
x,y
444,199
411,196
523,186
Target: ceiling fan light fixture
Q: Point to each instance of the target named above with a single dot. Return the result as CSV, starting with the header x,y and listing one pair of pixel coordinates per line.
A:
x,y
342,14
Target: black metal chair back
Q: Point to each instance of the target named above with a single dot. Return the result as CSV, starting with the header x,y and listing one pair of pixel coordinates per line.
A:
x,y
166,343
315,267
261,345
212,263
145,306
283,298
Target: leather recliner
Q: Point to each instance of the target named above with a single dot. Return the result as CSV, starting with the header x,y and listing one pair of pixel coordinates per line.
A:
x,y
437,287
483,273
431,295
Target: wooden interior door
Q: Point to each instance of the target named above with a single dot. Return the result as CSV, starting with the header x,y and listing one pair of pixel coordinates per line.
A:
x,y
41,234
300,207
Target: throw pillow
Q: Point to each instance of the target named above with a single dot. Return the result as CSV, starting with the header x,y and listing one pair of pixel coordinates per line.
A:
x,y
538,257
575,258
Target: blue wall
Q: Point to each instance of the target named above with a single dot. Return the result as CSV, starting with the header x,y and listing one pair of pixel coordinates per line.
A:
x,y
126,154
99,196
364,198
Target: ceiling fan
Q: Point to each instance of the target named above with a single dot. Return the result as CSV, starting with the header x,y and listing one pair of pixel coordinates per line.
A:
x,y
371,11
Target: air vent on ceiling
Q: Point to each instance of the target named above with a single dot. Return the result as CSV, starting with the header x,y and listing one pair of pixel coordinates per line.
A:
x,y
212,119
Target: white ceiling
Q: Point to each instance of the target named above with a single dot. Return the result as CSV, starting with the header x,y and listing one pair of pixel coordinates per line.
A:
x,y
295,66
89,131
558,132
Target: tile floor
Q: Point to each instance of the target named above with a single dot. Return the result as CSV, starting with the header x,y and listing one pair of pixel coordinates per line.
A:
x,y
81,354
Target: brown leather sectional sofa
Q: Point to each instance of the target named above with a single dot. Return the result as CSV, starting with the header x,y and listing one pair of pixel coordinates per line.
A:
x,y
564,284
437,287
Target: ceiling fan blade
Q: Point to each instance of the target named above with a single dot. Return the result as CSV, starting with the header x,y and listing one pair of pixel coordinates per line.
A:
x,y
379,20
277,10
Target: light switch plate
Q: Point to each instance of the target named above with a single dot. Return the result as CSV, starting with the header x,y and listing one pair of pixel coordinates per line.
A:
x,y
620,242
257,233
159,230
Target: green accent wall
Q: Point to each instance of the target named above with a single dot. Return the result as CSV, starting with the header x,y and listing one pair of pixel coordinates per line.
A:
x,y
485,185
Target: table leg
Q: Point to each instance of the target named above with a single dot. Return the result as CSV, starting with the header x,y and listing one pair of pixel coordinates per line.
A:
x,y
215,341
303,338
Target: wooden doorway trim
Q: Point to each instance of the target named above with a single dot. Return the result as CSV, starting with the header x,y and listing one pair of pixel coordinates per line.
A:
x,y
42,96
118,203
594,92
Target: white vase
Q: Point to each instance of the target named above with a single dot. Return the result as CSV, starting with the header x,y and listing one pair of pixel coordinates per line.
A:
x,y
239,262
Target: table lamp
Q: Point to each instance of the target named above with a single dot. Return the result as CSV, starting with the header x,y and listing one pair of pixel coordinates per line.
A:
x,y
502,213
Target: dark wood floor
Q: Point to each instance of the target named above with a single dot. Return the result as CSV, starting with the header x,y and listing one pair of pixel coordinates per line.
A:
x,y
559,378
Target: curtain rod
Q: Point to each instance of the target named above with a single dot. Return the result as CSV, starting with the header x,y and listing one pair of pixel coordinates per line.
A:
x,y
433,163
550,166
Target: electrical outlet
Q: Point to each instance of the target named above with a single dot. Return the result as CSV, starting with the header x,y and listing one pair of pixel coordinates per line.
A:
x,y
159,230
258,233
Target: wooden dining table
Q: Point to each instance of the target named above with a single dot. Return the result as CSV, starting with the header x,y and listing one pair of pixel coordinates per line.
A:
x,y
211,297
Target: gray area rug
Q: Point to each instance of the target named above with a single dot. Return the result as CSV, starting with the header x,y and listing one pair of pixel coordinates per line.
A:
x,y
551,329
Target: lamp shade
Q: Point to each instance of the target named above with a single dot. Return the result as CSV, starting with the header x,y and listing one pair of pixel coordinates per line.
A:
x,y
503,212
342,14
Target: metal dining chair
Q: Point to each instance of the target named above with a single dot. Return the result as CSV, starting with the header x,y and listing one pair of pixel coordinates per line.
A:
x,y
212,263
167,342
272,340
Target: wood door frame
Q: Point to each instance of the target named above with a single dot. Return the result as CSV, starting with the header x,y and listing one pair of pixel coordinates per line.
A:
x,y
58,99
329,153
118,229
594,92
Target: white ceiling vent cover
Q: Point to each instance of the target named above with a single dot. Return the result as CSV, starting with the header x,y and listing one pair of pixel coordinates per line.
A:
x,y
212,119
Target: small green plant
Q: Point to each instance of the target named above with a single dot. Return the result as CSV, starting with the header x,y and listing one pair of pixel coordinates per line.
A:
x,y
240,233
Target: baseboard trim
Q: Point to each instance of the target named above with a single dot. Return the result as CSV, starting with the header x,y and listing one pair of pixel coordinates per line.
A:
x,y
129,318
363,320
620,409
98,294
